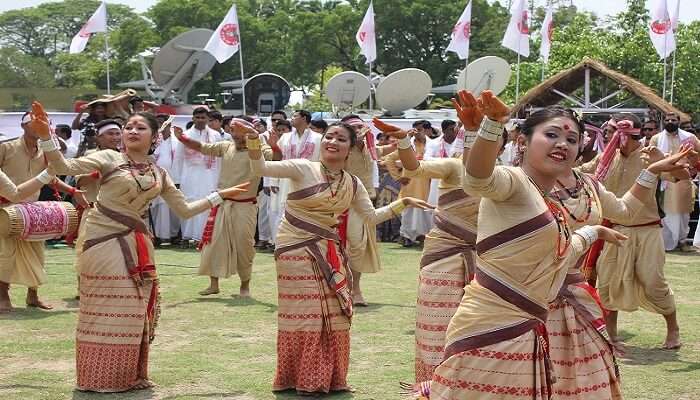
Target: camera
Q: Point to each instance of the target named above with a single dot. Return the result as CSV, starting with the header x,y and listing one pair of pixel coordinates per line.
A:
x,y
89,130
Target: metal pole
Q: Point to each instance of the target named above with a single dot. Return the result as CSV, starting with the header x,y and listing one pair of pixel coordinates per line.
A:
x,y
240,56
107,58
544,65
664,86
673,75
369,77
466,73
517,79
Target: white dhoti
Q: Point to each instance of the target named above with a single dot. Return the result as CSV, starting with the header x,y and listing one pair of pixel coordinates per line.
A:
x,y
415,222
264,229
675,229
165,223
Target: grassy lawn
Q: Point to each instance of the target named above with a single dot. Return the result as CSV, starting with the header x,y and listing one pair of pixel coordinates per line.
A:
x,y
224,348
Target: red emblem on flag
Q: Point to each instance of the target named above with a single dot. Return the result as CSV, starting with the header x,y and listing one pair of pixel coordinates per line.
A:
x,y
467,30
522,25
660,27
550,30
363,35
83,33
229,34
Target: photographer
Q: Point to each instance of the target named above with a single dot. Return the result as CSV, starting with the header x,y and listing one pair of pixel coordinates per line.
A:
x,y
96,113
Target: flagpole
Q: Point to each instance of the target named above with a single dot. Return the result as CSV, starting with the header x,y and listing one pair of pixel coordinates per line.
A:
x,y
517,78
665,67
369,77
240,56
107,58
673,75
543,67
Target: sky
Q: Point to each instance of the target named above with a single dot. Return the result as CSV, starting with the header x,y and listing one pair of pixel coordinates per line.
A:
x,y
690,9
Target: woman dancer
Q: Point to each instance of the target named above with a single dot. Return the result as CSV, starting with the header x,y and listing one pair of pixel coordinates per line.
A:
x,y
313,279
583,362
119,284
496,342
447,264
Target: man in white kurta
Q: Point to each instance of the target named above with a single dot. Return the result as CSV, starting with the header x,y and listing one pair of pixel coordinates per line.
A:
x,y
301,142
677,196
166,224
198,174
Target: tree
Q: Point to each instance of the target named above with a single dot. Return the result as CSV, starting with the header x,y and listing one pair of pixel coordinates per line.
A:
x,y
22,70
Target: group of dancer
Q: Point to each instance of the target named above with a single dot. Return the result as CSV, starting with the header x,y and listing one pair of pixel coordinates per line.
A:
x,y
504,306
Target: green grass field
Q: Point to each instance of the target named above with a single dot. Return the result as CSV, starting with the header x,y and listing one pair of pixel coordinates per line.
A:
x,y
224,348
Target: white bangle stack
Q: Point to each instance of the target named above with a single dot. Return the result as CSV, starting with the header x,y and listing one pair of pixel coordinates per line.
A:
x,y
469,139
48,145
404,143
215,199
490,130
588,233
44,177
647,179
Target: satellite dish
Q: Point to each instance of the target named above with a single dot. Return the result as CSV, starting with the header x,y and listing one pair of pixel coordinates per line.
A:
x,y
403,89
265,93
182,62
486,73
348,88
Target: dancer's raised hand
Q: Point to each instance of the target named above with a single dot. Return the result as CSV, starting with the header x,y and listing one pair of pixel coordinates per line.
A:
x,y
40,121
467,111
493,107
389,129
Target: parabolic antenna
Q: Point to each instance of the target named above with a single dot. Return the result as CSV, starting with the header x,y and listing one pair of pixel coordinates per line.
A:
x,y
348,89
182,62
265,93
486,73
403,89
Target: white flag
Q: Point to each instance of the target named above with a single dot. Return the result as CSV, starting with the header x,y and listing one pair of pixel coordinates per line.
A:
x,y
96,23
366,36
547,31
517,37
674,16
461,34
660,30
226,39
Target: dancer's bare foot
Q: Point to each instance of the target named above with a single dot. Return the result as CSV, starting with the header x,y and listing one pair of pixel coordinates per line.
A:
x,y
245,290
359,300
673,341
143,384
209,291
33,300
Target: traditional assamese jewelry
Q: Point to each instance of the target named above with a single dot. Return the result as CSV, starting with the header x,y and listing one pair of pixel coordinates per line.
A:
x,y
647,179
490,130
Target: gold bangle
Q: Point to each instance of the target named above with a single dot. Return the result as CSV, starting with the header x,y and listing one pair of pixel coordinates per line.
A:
x,y
397,207
253,144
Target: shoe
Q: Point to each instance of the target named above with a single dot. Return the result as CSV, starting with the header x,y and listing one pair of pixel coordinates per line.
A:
x,y
261,244
685,248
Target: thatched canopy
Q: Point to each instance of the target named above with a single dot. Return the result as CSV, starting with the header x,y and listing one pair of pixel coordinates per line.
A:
x,y
569,80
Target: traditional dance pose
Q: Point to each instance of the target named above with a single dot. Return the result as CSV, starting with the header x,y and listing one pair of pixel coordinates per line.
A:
x,y
447,264
229,236
496,342
582,355
315,300
631,275
119,283
22,262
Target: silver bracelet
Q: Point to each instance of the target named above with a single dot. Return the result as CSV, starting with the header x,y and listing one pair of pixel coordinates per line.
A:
x,y
469,139
44,177
404,143
588,233
647,179
215,199
490,130
48,145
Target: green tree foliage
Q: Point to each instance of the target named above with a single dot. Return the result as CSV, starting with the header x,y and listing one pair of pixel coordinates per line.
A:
x,y
299,39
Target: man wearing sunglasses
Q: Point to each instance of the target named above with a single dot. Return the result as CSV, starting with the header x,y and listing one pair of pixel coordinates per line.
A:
x,y
650,127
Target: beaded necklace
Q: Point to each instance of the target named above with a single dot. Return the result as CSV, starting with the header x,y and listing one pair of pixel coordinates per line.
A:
x,y
560,219
582,190
332,176
143,169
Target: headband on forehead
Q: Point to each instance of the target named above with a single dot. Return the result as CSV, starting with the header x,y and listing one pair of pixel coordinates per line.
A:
x,y
107,127
27,118
356,122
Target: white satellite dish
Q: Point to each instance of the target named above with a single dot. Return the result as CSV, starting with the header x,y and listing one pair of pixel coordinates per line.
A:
x,y
486,73
349,89
403,90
